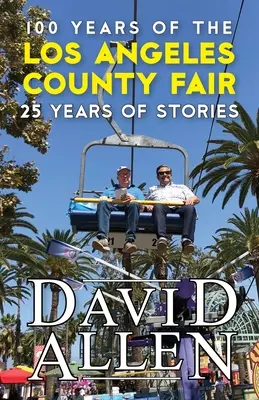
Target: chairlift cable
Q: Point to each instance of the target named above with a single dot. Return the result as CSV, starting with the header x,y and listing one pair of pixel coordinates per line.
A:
x,y
212,125
135,13
218,98
249,287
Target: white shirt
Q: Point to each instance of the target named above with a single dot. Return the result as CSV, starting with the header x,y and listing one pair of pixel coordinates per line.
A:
x,y
169,192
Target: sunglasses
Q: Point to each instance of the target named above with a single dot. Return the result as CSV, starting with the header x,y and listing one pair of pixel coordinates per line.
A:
x,y
164,173
124,174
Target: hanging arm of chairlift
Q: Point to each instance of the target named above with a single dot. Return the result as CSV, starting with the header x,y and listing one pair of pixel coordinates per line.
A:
x,y
136,141
123,137
85,220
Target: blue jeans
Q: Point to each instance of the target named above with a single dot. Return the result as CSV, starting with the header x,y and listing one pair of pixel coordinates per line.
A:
x,y
187,213
104,210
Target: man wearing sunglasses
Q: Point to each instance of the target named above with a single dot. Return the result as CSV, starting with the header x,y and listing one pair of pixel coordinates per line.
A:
x,y
130,208
168,191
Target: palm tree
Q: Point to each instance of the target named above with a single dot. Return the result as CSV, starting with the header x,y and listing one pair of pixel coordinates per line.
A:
x,y
141,263
37,335
69,333
19,218
59,268
10,293
105,343
220,254
10,221
201,264
7,337
241,237
152,261
234,164
158,264
13,245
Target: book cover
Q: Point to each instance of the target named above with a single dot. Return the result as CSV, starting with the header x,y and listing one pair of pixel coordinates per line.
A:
x,y
129,199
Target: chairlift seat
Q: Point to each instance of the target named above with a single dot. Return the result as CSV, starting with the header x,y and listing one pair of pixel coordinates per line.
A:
x,y
85,220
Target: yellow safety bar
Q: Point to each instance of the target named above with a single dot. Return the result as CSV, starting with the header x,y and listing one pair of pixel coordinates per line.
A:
x,y
118,201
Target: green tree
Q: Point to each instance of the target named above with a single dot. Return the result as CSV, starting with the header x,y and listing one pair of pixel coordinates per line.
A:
x,y
14,250
7,337
198,265
14,246
220,254
34,336
20,218
158,264
59,268
151,261
9,292
242,235
69,333
33,131
234,163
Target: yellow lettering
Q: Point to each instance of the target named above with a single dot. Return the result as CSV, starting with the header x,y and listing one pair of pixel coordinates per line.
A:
x,y
226,81
84,83
71,50
172,53
196,85
97,81
211,83
27,80
177,80
155,56
27,55
225,49
131,54
62,83
45,50
104,55
146,80
187,59
222,82
124,76
207,53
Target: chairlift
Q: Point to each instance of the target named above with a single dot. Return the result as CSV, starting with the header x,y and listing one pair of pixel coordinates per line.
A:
x,y
82,209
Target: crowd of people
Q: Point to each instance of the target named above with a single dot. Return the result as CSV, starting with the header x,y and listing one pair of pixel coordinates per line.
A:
x,y
75,393
218,390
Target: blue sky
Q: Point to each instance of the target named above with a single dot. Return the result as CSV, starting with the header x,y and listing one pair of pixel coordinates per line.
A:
x,y
59,169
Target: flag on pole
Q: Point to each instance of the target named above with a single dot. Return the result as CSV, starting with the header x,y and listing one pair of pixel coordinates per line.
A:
x,y
75,285
37,354
61,249
243,274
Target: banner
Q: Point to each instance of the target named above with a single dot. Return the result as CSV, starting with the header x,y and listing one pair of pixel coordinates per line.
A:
x,y
243,274
75,285
60,249
37,353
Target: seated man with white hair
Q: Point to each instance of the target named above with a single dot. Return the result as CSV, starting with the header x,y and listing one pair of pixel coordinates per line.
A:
x,y
130,208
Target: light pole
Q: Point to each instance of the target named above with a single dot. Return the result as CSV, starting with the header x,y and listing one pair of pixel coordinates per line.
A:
x,y
19,352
